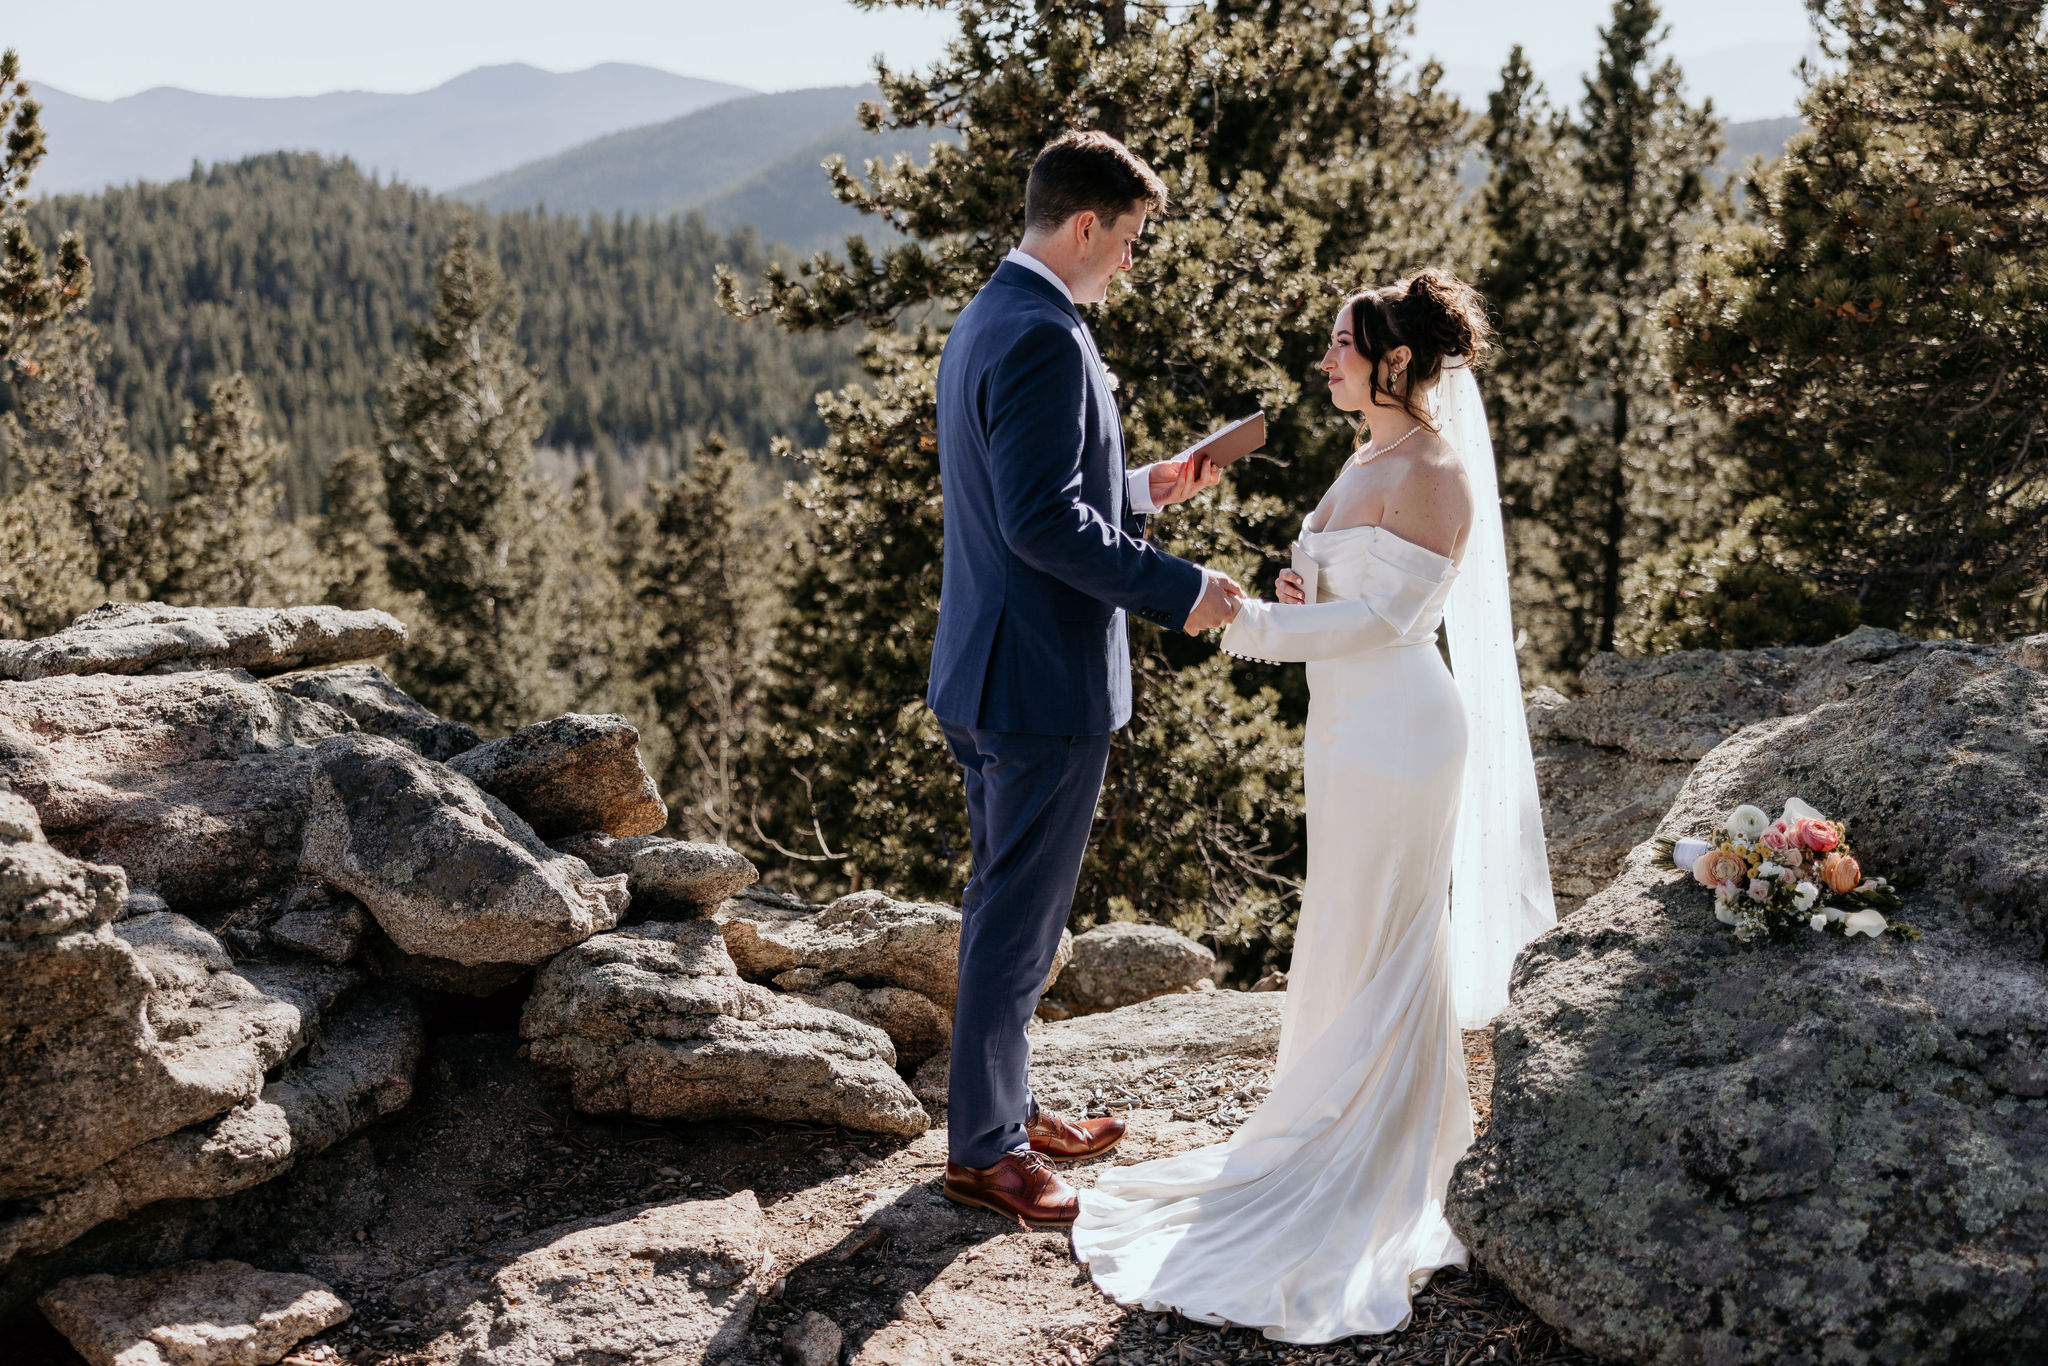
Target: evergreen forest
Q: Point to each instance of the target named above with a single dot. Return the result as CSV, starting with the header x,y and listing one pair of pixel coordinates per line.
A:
x,y
632,465
310,279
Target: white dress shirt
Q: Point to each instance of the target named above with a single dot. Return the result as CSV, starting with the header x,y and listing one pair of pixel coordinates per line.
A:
x,y
1138,482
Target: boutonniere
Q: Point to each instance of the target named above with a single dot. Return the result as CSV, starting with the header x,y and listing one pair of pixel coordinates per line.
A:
x,y
1110,375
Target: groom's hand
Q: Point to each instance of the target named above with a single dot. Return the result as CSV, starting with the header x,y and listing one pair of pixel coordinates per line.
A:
x,y
1218,603
1176,481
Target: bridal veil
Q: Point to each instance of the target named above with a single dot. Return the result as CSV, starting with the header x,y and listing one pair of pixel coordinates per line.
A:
x,y
1500,874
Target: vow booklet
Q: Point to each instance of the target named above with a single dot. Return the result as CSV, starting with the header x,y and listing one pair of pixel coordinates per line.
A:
x,y
1234,442
1310,571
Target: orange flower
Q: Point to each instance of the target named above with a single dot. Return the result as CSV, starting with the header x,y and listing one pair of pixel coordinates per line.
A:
x,y
1716,868
1841,872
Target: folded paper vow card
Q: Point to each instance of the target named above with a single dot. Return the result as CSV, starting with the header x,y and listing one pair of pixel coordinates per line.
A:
x,y
1310,571
1234,442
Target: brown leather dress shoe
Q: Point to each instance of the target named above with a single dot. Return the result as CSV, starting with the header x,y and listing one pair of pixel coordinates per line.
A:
x,y
1021,1185
1062,1140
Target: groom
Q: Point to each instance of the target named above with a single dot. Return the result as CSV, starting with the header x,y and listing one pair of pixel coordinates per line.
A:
x,y
1031,674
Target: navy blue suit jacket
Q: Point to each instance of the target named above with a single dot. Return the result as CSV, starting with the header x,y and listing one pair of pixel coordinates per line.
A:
x,y
1043,557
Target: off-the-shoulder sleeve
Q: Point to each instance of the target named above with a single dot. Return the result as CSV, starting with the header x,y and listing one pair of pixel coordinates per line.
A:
x,y
1288,633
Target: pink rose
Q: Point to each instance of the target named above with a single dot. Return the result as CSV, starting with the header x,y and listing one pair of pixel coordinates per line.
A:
x,y
1759,890
1716,869
1819,836
1777,837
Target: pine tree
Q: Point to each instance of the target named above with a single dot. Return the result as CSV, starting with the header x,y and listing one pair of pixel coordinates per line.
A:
x,y
456,438
1590,220
1307,161
1880,337
30,300
592,656
76,531
68,503
1525,215
704,583
221,539
353,534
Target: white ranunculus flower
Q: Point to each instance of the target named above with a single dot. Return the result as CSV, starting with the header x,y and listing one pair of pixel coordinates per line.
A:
x,y
1871,923
1796,811
1817,921
1687,852
1803,897
1747,822
1769,869
1722,913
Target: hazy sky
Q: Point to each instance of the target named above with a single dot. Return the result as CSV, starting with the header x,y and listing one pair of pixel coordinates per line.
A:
x,y
1739,51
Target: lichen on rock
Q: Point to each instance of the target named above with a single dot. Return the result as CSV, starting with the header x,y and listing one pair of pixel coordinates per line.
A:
x,y
1832,1152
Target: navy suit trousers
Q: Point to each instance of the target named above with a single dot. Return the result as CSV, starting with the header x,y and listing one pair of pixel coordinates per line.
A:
x,y
1030,804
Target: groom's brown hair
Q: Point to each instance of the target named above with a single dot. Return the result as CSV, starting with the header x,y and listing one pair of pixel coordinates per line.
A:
x,y
1089,172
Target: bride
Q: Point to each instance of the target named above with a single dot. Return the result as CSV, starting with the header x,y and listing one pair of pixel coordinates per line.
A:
x,y
1426,871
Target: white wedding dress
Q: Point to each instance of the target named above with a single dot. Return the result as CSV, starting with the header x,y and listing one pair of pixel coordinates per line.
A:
x,y
1319,1217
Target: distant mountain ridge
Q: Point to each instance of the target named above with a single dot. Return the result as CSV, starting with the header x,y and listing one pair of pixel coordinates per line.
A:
x,y
752,162
480,123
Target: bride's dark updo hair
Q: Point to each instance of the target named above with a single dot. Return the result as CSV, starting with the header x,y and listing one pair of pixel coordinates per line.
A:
x,y
1435,315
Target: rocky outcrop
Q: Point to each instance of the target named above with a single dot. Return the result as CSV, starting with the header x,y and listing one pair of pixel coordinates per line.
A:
x,y
196,784
914,1022
149,1026
1833,1152
570,775
673,1282
360,1071
893,964
1122,963
654,1021
213,789
191,1314
868,938
1073,1059
1609,762
204,875
669,879
364,694
447,871
137,1052
148,637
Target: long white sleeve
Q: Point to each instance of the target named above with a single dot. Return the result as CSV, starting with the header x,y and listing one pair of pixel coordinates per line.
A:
x,y
1138,491
1283,633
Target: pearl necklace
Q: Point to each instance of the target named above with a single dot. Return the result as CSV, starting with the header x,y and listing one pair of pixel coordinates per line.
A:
x,y
1367,457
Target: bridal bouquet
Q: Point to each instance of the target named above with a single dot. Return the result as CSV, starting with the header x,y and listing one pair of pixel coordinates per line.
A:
x,y
1787,876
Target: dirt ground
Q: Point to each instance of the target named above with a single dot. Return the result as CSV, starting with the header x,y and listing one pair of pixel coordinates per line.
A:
x,y
489,1152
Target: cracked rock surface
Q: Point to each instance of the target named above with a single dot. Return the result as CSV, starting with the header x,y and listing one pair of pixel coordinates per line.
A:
x,y
669,879
192,1314
570,775
149,637
1122,963
1831,1152
670,1282
653,1020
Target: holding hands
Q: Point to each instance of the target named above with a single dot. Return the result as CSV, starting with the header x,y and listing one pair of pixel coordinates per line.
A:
x,y
1218,604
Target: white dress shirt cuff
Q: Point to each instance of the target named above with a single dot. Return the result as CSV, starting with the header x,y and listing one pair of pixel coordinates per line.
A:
x,y
1138,491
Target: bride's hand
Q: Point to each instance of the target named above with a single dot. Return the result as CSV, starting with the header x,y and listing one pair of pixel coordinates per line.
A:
x,y
1288,590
